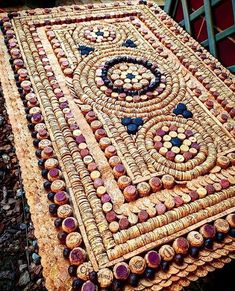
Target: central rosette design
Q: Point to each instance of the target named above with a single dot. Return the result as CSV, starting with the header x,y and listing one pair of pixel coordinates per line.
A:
x,y
176,143
129,78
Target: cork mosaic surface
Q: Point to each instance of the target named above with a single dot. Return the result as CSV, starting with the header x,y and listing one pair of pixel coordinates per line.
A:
x,y
124,129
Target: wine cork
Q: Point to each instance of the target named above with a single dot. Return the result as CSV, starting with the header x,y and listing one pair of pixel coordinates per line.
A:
x,y
166,252
54,174
104,142
47,152
201,192
152,259
124,223
121,271
181,245
119,170
123,182
231,157
107,206
155,183
110,151
130,193
168,181
77,256
137,265
101,190
83,271
221,225
61,198
231,219
143,215
195,239
73,240
69,224
114,161
105,277
207,230
57,185
143,189
51,163
179,158
114,226
223,162
64,211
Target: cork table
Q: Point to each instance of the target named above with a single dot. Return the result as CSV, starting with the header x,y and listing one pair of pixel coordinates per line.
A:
x,y
125,133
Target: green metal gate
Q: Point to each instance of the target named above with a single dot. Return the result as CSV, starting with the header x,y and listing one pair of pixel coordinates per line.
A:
x,y
206,10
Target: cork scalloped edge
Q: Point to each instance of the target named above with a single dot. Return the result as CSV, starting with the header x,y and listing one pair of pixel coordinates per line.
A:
x,y
54,265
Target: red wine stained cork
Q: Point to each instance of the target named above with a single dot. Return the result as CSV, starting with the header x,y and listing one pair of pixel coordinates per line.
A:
x,y
111,216
178,201
100,133
221,225
90,116
225,183
195,239
130,193
194,195
84,153
152,259
124,223
119,170
110,151
207,230
61,198
223,162
121,271
161,208
143,216
73,240
47,152
92,167
181,245
231,219
88,286
166,252
143,189
155,183
137,265
210,189
170,156
105,277
123,182
98,182
168,181
158,145
69,224
53,174
77,256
